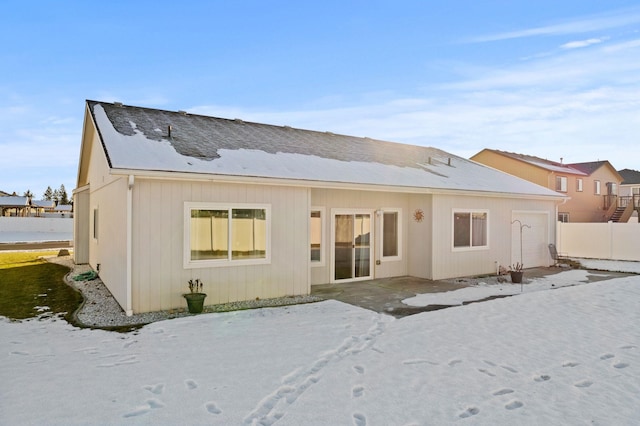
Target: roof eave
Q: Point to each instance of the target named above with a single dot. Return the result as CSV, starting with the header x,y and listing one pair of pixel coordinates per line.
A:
x,y
314,184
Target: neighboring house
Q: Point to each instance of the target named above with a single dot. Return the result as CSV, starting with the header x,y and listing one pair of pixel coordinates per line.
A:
x,y
630,189
4,194
592,187
262,211
14,206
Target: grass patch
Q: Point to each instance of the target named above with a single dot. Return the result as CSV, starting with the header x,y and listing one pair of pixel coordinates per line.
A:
x,y
30,287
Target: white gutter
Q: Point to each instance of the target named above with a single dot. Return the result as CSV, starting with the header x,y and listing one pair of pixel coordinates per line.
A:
x,y
129,272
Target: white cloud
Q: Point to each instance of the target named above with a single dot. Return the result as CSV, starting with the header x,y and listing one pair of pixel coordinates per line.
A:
x,y
582,43
616,19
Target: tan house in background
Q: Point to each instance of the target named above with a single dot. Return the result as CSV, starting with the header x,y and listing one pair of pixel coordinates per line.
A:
x,y
592,187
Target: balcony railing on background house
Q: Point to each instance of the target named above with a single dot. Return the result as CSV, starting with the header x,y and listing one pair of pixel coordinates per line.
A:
x,y
620,208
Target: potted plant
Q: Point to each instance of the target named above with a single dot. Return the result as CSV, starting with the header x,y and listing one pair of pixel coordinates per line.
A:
x,y
195,297
516,273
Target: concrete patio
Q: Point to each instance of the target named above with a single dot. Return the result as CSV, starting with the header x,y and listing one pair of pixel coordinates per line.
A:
x,y
385,295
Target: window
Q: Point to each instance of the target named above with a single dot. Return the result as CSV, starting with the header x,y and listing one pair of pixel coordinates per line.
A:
x,y
563,217
612,188
95,224
635,190
220,235
596,187
470,229
391,230
316,237
561,183
579,184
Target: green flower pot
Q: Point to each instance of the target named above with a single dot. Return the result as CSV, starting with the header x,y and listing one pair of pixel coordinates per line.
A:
x,y
195,302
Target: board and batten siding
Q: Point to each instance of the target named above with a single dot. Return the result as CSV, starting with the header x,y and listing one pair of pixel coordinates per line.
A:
x,y
159,277
331,199
449,263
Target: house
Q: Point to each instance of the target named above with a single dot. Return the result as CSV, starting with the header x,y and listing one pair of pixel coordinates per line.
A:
x,y
630,189
262,211
591,188
13,205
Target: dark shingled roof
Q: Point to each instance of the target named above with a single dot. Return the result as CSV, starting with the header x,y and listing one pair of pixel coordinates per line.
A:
x,y
589,167
629,176
202,136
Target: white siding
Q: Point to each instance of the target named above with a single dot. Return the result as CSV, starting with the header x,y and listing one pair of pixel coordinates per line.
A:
x,y
159,277
535,239
420,237
448,263
345,199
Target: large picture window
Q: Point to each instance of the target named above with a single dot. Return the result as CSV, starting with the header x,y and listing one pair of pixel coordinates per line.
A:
x,y
221,235
470,229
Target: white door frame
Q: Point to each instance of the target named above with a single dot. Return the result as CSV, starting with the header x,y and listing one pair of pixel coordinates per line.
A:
x,y
334,213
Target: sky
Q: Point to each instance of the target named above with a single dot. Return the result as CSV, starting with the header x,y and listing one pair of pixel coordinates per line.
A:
x,y
550,79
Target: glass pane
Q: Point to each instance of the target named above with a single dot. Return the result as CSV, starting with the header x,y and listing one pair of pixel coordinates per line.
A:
x,y
344,247
479,229
249,238
316,235
390,234
209,234
461,229
362,234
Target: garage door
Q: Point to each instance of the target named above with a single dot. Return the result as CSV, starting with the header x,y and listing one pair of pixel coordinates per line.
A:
x,y
535,235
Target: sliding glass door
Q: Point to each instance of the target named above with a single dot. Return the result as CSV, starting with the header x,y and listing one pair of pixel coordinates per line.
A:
x,y
352,246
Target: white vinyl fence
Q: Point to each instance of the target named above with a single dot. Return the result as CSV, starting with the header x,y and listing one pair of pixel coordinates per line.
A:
x,y
617,241
25,229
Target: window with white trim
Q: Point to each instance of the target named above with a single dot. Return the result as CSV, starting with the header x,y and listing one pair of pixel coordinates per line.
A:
x,y
579,184
391,245
596,187
470,229
561,183
218,235
563,217
316,236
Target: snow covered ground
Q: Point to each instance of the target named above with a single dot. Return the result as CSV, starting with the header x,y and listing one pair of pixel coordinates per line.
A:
x,y
567,356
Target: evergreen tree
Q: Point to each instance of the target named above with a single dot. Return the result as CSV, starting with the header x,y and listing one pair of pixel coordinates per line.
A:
x,y
63,198
28,194
48,194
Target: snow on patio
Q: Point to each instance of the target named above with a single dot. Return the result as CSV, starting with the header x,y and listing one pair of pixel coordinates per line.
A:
x,y
567,356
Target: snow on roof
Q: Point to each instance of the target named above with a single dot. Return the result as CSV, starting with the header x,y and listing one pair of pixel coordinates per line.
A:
x,y
146,139
12,201
63,208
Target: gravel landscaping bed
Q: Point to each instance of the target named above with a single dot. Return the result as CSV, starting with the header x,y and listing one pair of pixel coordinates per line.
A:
x,y
100,309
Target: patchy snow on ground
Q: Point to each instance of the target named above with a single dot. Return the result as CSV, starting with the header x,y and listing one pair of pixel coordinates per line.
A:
x,y
568,356
610,265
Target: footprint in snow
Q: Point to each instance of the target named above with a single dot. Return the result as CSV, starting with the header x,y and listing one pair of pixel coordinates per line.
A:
x,y
357,391
510,369
620,365
488,373
155,389
212,408
606,356
359,419
504,391
542,378
570,364
454,362
513,405
628,347
191,384
471,411
358,369
583,384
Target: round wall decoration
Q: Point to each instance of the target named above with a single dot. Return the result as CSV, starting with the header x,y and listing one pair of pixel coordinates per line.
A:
x,y
418,215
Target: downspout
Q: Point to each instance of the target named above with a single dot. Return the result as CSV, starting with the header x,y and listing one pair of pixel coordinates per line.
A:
x,y
129,293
